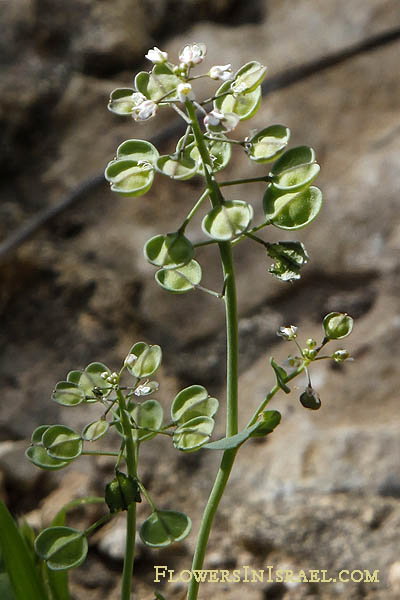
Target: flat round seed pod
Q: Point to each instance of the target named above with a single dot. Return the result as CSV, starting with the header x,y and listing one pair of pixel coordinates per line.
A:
x,y
228,220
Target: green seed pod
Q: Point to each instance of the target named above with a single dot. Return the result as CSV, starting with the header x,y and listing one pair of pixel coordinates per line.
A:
x,y
310,399
337,325
121,492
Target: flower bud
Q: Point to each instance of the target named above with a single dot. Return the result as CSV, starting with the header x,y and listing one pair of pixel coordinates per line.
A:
x,y
156,55
340,355
311,343
310,399
223,72
337,325
185,92
287,333
192,54
130,360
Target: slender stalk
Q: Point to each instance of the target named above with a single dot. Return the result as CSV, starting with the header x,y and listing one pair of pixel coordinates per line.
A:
x,y
232,365
193,211
98,453
130,457
264,179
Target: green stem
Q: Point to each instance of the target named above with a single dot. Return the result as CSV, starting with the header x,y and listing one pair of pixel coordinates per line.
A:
x,y
98,453
264,179
147,496
193,211
232,364
101,521
130,457
272,393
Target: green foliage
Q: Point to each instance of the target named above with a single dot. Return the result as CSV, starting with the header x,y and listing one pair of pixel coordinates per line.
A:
x,y
163,527
62,548
21,579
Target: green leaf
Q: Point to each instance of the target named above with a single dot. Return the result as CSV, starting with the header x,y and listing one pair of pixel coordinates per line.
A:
x,y
292,211
148,414
337,325
169,251
179,168
244,105
95,430
39,457
129,177
164,527
122,101
122,491
62,442
180,280
62,547
231,442
19,563
68,393
148,359
158,83
269,420
6,592
228,220
138,150
191,402
268,144
193,434
290,257
248,78
280,375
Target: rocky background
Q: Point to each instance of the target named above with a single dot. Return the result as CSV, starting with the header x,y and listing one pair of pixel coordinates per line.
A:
x,y
324,491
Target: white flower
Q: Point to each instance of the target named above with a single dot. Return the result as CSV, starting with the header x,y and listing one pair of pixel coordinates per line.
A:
x,y
213,118
144,111
217,121
130,360
239,87
192,54
185,92
144,389
223,72
287,333
156,55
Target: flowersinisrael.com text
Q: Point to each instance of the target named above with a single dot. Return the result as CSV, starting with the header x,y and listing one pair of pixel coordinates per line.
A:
x,y
267,575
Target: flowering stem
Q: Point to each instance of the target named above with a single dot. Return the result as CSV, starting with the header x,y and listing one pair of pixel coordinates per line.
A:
x,y
232,363
130,457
